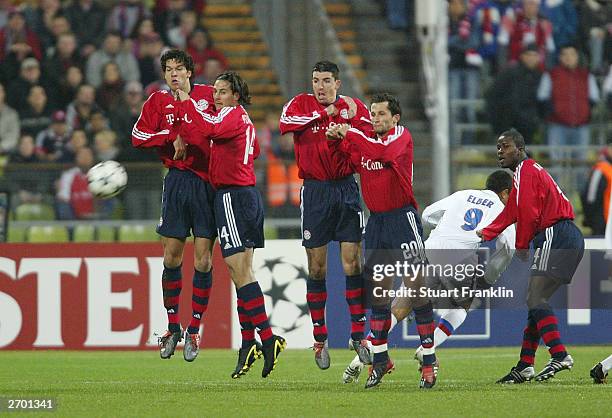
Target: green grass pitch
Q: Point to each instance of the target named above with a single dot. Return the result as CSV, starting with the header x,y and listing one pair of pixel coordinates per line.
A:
x,y
140,384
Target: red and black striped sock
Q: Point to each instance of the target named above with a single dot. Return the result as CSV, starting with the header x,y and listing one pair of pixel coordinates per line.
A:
x,y
202,283
247,330
354,298
547,327
316,296
171,287
255,308
380,322
531,340
426,327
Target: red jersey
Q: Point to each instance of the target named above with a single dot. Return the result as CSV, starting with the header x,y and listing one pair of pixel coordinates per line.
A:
x,y
233,148
307,119
384,164
535,203
160,122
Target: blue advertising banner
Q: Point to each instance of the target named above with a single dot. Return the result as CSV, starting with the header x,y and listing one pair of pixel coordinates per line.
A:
x,y
584,308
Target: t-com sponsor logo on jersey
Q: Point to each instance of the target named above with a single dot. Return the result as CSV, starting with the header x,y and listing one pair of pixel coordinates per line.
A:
x,y
370,165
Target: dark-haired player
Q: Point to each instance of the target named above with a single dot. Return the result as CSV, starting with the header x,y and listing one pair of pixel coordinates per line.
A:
x,y
187,199
330,204
384,163
454,241
544,216
238,210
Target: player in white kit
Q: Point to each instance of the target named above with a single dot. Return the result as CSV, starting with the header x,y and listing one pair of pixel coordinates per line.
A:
x,y
453,241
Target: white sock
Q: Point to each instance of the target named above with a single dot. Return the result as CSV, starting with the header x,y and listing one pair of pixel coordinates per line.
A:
x,y
393,321
451,320
607,364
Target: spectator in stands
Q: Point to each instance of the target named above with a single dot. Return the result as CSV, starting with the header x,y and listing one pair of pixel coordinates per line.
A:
x,y
29,75
25,151
36,117
51,143
212,68
105,145
201,48
125,15
464,65
595,27
568,92
39,18
5,9
168,16
486,20
112,50
108,95
59,26
98,122
79,111
562,16
526,26
17,40
78,140
595,195
87,21
512,99
73,198
148,58
27,186
142,29
64,57
68,86
179,35
9,125
124,116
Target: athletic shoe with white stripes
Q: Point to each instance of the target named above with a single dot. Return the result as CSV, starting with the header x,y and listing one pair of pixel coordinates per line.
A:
x,y
554,366
517,376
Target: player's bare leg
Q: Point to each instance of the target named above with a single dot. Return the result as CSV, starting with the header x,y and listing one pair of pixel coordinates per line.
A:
x,y
171,287
248,290
202,282
316,297
351,263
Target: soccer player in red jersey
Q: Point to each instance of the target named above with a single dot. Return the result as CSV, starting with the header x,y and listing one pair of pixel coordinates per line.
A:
x,y
238,209
187,197
394,229
330,204
544,216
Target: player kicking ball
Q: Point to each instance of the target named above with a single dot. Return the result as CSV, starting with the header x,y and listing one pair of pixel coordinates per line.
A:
x,y
455,219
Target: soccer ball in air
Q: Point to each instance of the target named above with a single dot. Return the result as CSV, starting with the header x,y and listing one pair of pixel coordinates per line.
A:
x,y
107,179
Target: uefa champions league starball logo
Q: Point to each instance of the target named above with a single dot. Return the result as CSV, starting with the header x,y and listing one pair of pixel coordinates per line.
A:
x,y
284,287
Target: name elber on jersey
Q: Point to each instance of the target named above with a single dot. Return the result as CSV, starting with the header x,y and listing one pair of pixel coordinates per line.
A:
x,y
480,201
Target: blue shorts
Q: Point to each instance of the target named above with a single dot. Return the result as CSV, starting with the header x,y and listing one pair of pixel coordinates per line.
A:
x,y
398,231
557,251
240,215
187,205
331,211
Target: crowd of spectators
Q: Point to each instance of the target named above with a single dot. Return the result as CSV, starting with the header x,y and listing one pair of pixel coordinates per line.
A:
x,y
74,75
540,65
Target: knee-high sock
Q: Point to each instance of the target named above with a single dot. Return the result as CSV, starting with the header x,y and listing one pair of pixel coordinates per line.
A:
x,y
380,322
202,283
425,326
546,321
316,296
172,282
255,307
354,299
247,330
531,340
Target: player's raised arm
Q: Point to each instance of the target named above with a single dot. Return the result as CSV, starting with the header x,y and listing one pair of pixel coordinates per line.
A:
x,y
295,119
148,132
